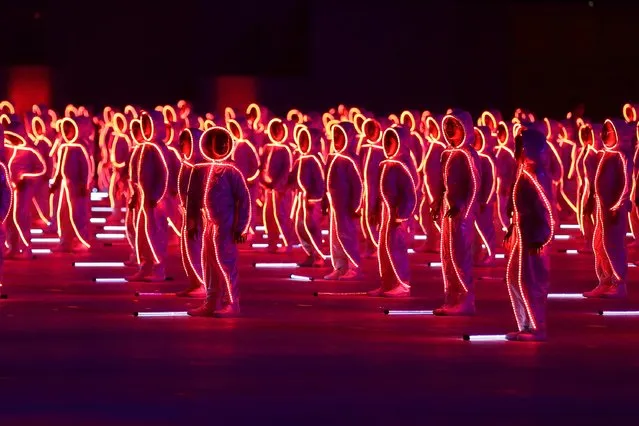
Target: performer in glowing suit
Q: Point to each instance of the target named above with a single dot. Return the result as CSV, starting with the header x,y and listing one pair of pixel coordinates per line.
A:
x,y
173,159
73,179
119,147
459,200
278,162
485,226
527,273
398,199
150,179
345,193
432,182
562,208
227,207
611,191
505,167
26,166
591,138
6,197
247,159
128,173
308,175
191,183
43,145
372,155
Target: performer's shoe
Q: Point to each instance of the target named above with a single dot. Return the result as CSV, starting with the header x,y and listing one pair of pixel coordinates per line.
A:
x,y
207,309
196,293
309,262
527,335
402,290
598,291
335,275
229,311
464,308
351,274
137,277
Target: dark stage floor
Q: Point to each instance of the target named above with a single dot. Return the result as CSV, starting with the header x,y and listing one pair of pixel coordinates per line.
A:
x,y
73,354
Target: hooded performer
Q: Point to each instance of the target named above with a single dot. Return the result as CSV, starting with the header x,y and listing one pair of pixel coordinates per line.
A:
x,y
247,159
277,161
612,204
227,208
590,136
505,168
398,199
6,197
485,224
459,201
345,193
527,273
73,179
372,155
308,173
150,176
191,184
26,166
432,182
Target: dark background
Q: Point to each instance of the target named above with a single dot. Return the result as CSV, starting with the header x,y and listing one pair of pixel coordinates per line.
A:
x,y
385,55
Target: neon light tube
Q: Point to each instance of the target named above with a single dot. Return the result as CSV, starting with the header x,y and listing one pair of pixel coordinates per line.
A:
x,y
98,264
276,265
571,251
562,237
114,228
435,264
485,338
300,278
410,251
569,226
420,237
154,294
629,234
41,251
260,228
500,256
97,196
632,265
263,245
161,314
566,296
101,209
355,293
45,240
37,232
407,312
98,220
619,313
110,280
324,231
110,236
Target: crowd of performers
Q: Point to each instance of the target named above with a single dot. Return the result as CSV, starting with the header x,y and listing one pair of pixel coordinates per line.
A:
x,y
377,181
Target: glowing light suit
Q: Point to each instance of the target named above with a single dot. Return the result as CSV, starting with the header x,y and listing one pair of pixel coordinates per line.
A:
x,y
612,191
591,137
26,166
308,175
247,159
372,155
485,225
191,184
399,200
505,167
119,147
73,179
128,173
345,193
432,182
227,207
277,161
44,146
150,178
459,200
6,198
527,273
